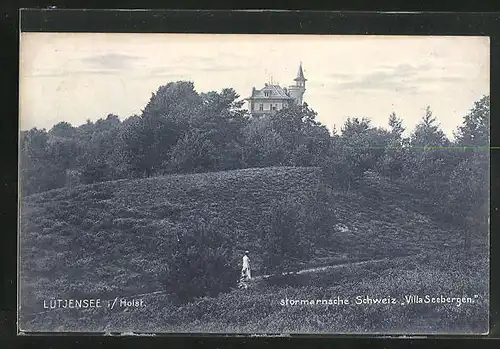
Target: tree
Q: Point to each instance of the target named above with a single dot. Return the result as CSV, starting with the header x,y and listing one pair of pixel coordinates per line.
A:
x,y
215,136
263,146
357,150
474,130
396,126
391,163
468,194
195,152
101,158
174,101
429,160
222,119
312,146
40,163
428,133
63,153
63,130
467,197
134,143
353,127
290,137
164,120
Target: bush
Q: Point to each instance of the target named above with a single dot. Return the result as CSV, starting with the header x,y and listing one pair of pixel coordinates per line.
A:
x,y
285,236
201,263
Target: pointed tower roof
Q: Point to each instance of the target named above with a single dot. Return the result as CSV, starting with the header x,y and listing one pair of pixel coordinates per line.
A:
x,y
300,74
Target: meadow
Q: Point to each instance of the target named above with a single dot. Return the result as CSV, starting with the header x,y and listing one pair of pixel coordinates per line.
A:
x,y
113,239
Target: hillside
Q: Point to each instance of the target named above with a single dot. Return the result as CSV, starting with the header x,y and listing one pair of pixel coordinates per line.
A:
x,y
111,238
117,232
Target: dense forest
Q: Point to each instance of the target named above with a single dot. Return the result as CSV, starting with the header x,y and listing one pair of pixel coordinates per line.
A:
x,y
183,131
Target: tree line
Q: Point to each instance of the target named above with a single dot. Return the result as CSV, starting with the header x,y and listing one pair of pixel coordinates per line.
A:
x,y
183,131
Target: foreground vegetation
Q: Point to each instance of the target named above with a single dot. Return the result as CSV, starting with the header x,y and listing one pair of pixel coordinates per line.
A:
x,y
118,238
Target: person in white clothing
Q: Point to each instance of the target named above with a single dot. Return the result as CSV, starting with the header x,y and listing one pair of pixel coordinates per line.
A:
x,y
245,271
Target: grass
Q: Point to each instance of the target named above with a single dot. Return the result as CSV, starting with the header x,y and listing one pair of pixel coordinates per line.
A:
x,y
112,239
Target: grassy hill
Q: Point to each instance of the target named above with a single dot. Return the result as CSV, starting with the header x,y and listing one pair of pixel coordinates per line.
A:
x,y
111,239
114,236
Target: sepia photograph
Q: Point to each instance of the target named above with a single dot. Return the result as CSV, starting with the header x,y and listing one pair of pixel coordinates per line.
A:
x,y
253,184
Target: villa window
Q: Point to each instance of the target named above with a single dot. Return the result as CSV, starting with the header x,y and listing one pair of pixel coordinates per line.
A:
x,y
261,106
267,93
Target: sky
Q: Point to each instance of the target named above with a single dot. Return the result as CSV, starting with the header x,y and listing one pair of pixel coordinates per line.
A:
x,y
74,77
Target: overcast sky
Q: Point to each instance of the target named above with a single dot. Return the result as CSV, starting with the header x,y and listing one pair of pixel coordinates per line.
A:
x,y
78,76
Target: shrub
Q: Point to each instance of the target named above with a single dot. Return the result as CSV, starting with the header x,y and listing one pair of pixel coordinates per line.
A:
x,y
285,236
201,263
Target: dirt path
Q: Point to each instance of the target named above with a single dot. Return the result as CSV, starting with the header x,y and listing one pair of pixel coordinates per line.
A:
x,y
335,266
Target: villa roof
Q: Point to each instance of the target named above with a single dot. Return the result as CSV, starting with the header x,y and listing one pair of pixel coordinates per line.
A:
x,y
276,92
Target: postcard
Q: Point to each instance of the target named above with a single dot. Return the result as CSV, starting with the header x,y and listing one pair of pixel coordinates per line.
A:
x,y
253,184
